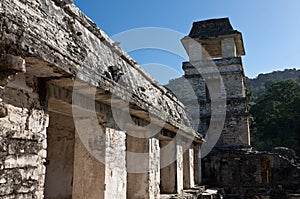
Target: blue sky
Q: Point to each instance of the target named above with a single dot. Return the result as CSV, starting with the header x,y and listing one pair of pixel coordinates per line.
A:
x,y
270,28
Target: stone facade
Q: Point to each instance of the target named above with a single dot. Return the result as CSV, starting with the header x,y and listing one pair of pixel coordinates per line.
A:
x,y
213,88
23,140
215,73
79,118
249,174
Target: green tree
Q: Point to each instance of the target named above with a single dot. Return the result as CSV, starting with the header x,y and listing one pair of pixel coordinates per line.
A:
x,y
276,117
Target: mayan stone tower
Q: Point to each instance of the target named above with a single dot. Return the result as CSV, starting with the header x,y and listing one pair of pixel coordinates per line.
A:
x,y
215,72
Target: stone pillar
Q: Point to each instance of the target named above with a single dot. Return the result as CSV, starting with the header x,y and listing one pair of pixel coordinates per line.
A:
x,y
196,165
168,173
194,156
188,168
179,161
89,172
115,164
142,167
199,166
228,47
154,173
171,175
23,124
193,48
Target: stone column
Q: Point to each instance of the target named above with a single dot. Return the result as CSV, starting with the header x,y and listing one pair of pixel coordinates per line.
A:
x,y
89,168
228,48
193,48
179,161
142,167
93,178
188,168
197,169
115,164
171,175
154,173
199,166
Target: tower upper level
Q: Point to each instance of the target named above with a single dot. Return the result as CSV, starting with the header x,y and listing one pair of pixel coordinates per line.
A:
x,y
214,38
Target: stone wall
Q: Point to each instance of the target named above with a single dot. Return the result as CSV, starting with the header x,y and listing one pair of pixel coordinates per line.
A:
x,y
52,45
23,141
192,90
248,174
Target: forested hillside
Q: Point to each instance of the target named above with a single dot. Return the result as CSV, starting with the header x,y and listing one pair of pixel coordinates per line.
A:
x,y
275,110
257,86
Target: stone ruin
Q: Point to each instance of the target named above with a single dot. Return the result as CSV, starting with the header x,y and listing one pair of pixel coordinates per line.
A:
x,y
79,118
216,73
77,113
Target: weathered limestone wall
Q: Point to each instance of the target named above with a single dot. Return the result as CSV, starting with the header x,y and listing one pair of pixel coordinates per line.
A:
x,y
23,124
193,92
141,184
98,171
70,43
230,137
250,173
56,41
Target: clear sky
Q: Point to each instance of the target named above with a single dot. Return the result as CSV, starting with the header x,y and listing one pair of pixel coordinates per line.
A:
x,y
270,28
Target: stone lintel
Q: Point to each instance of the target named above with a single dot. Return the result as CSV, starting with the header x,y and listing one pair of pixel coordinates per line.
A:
x,y
60,90
215,62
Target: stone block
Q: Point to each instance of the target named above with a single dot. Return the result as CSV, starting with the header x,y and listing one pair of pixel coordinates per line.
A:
x,y
3,111
21,161
37,121
12,63
6,189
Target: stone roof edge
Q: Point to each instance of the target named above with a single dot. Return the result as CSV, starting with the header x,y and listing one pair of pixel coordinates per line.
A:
x,y
74,11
